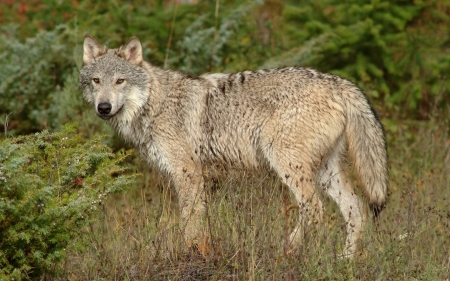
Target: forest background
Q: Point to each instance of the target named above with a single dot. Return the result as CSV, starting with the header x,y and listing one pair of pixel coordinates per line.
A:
x,y
398,52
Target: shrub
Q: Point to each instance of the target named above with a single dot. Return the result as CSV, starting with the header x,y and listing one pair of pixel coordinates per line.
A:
x,y
29,71
51,185
205,44
396,51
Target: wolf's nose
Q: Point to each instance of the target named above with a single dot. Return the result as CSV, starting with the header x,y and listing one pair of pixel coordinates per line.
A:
x,y
104,108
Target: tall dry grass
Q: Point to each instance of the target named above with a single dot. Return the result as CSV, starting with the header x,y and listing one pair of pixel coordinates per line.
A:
x,y
251,215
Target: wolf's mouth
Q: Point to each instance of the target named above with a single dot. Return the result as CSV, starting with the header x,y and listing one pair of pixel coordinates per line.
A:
x,y
109,116
105,116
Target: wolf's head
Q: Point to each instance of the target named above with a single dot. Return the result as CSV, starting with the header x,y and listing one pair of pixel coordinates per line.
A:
x,y
114,80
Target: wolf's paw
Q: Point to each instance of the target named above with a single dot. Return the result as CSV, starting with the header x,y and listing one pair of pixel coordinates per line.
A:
x,y
201,246
204,247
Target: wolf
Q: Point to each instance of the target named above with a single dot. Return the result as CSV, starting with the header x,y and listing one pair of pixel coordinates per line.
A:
x,y
305,125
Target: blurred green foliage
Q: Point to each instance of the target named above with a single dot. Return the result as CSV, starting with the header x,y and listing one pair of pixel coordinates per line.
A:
x,y
396,51
29,75
50,186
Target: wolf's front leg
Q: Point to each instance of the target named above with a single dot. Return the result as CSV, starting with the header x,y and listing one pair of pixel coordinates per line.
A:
x,y
191,197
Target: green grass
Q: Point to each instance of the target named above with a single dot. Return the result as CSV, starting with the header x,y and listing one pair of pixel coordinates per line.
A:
x,y
138,238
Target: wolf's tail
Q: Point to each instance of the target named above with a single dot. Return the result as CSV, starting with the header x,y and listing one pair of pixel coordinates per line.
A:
x,y
367,147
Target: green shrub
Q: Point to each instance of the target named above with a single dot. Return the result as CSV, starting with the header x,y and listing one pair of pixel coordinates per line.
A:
x,y
206,43
29,71
51,184
397,51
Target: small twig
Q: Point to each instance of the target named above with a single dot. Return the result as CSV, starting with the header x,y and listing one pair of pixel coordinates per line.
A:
x,y
286,217
6,124
169,42
216,22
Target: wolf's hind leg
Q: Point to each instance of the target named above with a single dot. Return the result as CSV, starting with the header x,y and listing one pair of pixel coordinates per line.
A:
x,y
334,181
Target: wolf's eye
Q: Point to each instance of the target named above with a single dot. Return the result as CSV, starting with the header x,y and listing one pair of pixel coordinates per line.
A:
x,y
120,81
96,80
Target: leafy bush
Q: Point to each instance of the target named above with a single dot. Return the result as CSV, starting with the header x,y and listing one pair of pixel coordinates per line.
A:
x,y
205,44
395,50
29,72
51,184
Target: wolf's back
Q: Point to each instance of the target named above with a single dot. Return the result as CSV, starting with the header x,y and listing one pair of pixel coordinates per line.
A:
x,y
366,146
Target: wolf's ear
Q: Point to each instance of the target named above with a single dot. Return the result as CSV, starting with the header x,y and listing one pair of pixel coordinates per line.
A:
x,y
132,51
92,49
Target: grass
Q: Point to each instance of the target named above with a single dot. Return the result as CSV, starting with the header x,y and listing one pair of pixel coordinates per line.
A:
x,y
249,219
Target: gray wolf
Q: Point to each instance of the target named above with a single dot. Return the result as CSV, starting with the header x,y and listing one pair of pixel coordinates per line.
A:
x,y
301,123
